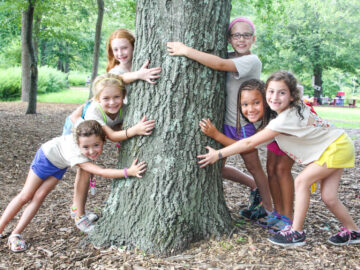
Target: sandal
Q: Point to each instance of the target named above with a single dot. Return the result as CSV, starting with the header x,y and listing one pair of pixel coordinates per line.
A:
x,y
16,243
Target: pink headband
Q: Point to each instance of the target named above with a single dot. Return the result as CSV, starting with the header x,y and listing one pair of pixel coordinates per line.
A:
x,y
242,19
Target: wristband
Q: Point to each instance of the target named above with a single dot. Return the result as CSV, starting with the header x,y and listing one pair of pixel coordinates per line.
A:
x,y
125,173
126,134
220,155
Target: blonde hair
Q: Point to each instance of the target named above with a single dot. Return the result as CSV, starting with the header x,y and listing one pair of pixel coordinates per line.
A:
x,y
118,33
107,80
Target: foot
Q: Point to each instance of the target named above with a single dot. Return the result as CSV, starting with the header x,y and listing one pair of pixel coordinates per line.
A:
x,y
83,224
269,220
288,238
281,224
345,237
16,243
254,214
91,216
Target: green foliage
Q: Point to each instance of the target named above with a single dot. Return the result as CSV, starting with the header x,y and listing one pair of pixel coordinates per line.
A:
x,y
77,78
50,80
74,96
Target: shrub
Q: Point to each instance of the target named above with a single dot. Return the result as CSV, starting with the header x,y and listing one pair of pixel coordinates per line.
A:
x,y
77,78
49,80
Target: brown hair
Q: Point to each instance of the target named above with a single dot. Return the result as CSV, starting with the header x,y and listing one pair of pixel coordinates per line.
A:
x,y
88,128
107,80
118,33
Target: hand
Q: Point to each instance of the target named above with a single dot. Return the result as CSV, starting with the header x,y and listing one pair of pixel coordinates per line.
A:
x,y
208,128
149,74
176,48
144,127
137,169
209,158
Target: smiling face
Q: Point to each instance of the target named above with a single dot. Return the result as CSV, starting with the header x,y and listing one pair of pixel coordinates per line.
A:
x,y
241,44
252,105
278,96
122,50
91,146
111,100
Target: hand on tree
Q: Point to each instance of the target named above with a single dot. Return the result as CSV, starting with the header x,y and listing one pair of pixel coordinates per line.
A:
x,y
144,127
149,74
177,48
136,169
209,158
208,128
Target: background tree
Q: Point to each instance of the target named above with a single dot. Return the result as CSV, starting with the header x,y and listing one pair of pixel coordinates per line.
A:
x,y
176,202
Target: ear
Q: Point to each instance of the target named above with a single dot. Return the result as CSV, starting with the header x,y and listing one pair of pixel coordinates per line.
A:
x,y
253,39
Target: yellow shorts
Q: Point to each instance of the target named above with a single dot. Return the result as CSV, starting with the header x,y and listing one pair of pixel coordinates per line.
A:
x,y
339,154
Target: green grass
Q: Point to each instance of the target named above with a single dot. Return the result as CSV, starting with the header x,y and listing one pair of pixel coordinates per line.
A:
x,y
75,96
342,117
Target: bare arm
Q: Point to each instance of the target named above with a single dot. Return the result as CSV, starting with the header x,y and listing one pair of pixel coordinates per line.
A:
x,y
208,128
206,59
144,73
134,170
239,147
143,127
75,115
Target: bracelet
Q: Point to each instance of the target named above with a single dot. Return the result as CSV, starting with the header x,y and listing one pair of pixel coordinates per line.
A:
x,y
126,134
125,173
220,155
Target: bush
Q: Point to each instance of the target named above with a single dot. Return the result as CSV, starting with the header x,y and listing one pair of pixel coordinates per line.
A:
x,y
49,80
77,79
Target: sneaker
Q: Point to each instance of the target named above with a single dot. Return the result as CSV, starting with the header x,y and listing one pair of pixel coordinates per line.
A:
x,y
281,224
288,237
345,237
83,224
91,216
269,220
254,214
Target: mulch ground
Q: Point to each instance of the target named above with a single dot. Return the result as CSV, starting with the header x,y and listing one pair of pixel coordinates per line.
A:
x,y
55,243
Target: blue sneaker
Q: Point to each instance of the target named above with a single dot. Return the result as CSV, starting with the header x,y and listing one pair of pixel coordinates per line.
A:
x,y
288,238
269,220
281,224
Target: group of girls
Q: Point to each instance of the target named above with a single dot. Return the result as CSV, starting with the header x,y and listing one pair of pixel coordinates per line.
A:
x,y
256,113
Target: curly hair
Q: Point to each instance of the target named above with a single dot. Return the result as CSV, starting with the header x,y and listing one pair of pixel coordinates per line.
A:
x,y
289,79
88,128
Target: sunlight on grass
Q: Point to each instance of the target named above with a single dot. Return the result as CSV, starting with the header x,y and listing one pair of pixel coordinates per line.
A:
x,y
342,117
75,96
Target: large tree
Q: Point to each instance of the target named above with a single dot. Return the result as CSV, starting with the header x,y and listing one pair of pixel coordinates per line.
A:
x,y
175,203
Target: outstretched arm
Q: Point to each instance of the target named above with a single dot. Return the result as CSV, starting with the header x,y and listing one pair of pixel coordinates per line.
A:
x,y
75,115
143,127
134,170
206,59
211,131
239,147
144,73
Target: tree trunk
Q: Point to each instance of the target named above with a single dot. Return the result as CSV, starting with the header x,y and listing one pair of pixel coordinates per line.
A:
x,y
97,43
318,82
25,59
176,202
31,109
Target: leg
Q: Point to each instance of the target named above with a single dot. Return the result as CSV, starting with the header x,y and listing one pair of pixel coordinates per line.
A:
x,y
81,187
253,165
32,183
329,195
286,184
233,174
305,179
37,200
273,181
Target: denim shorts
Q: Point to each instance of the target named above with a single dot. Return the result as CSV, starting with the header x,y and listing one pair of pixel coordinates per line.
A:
x,y
43,168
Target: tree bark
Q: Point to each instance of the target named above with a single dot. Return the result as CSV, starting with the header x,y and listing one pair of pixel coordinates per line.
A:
x,y
176,202
318,82
97,43
31,109
25,60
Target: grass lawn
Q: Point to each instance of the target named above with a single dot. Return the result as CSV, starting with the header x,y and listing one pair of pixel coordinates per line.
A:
x,y
73,95
343,117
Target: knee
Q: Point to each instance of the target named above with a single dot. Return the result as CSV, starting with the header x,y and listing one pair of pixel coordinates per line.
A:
x,y
329,199
300,184
270,171
24,197
40,195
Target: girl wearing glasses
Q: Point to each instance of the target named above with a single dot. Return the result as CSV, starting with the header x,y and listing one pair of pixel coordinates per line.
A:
x,y
241,65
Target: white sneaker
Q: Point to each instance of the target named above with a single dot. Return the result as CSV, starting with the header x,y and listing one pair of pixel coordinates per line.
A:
x,y
83,224
91,216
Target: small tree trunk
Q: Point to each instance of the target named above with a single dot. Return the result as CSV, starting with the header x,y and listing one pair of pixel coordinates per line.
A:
x,y
31,109
318,82
25,59
97,43
176,202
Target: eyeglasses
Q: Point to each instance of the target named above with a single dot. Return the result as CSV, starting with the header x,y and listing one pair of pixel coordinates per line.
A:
x,y
237,36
